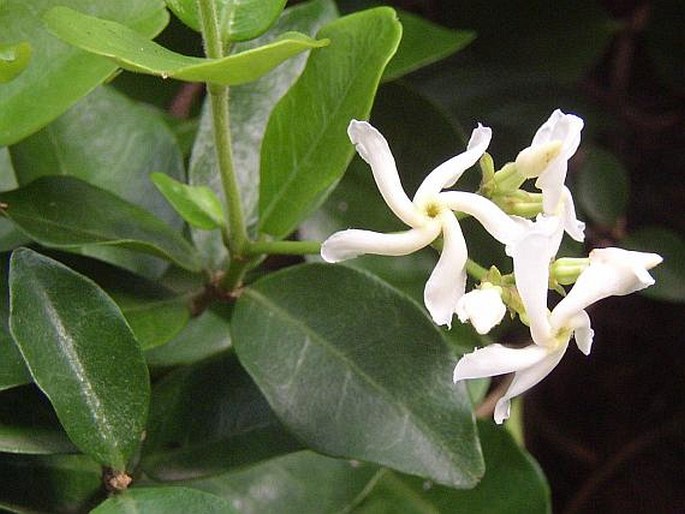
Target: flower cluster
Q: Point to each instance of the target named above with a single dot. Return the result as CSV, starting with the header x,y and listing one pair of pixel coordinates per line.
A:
x,y
532,245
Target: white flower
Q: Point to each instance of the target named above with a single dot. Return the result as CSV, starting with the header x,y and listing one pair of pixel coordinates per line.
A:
x,y
483,307
546,158
429,214
611,272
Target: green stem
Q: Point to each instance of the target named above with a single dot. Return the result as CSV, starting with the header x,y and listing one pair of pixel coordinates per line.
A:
x,y
475,270
283,247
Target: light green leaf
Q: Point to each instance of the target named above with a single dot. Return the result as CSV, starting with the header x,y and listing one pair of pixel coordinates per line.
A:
x,y
353,380
209,418
134,52
82,355
164,500
65,212
298,483
423,43
602,187
59,74
513,484
251,105
112,143
305,149
13,60
238,20
198,205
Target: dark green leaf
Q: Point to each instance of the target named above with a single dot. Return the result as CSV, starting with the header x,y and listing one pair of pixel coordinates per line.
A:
x,y
513,484
132,51
13,60
165,500
423,43
209,418
602,187
670,274
50,483
251,105
82,354
65,212
59,74
198,205
298,483
13,371
204,336
305,149
238,20
351,379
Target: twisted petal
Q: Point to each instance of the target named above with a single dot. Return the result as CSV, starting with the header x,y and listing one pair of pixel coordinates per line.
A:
x,y
582,332
374,149
572,226
525,379
482,307
350,243
496,359
612,272
506,229
449,171
447,282
531,255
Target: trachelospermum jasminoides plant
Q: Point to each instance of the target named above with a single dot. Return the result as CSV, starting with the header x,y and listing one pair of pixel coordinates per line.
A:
x,y
532,245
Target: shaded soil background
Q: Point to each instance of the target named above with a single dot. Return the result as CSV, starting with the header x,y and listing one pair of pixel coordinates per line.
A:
x,y
608,430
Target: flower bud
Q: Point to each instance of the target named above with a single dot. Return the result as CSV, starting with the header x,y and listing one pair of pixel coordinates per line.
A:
x,y
482,307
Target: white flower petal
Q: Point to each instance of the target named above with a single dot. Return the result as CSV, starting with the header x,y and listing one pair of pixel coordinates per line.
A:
x,y
506,229
496,359
582,332
572,226
374,149
525,379
612,272
483,307
347,244
447,282
447,174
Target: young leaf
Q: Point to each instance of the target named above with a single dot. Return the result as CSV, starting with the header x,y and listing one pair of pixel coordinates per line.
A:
x,y
238,21
13,60
298,483
134,52
198,205
423,43
305,149
82,354
354,380
164,500
59,74
65,212
251,105
210,418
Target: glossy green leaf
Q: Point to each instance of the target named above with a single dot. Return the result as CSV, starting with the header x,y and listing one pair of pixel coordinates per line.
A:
x,y
10,236
423,43
210,418
164,500
305,149
298,483
50,483
513,484
113,143
13,60
65,212
237,20
251,105
13,371
602,187
59,74
203,336
82,354
351,380
132,51
670,274
28,424
198,205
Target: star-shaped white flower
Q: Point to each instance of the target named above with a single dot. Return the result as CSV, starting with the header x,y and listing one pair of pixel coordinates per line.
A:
x,y
611,272
429,214
546,158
